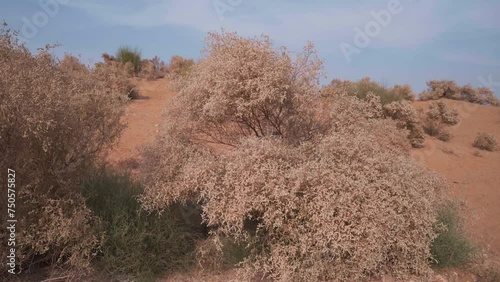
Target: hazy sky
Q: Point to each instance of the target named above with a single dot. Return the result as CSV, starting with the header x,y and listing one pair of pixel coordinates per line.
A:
x,y
391,41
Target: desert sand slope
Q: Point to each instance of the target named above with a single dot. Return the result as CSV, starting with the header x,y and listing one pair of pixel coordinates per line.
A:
x,y
473,177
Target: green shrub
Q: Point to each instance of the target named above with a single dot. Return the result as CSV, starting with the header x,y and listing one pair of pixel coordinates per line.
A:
x,y
126,54
364,86
451,248
136,243
233,252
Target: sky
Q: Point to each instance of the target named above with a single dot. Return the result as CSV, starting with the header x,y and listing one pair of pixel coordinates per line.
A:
x,y
391,41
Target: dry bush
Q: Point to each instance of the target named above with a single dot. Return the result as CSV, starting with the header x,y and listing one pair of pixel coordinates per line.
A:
x,y
404,91
438,117
401,111
485,141
339,209
245,87
116,76
438,89
153,68
72,65
180,66
338,204
407,117
54,126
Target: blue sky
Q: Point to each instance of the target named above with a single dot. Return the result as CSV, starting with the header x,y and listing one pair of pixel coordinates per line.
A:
x,y
412,41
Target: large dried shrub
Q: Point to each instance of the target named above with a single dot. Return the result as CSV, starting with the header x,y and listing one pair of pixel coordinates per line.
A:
x,y
438,117
245,87
53,127
438,89
338,204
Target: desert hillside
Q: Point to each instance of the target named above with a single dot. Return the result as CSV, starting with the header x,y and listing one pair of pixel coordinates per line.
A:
x,y
474,175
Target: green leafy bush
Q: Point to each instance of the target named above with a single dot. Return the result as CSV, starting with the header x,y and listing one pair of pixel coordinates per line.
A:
x,y
127,54
136,243
451,248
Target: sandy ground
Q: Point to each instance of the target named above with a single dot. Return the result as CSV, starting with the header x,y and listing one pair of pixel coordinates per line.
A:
x,y
142,117
473,175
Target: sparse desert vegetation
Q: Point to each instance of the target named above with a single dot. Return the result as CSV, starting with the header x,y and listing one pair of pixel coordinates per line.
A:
x,y
254,167
485,141
438,117
438,89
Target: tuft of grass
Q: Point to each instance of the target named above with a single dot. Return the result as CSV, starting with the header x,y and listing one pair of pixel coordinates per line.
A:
x,y
452,247
126,54
136,243
233,252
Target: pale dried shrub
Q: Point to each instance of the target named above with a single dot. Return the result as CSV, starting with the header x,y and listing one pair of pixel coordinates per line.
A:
x,y
153,68
407,117
54,127
72,65
340,209
438,117
401,111
180,66
485,141
245,87
438,89
405,91
319,191
116,76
